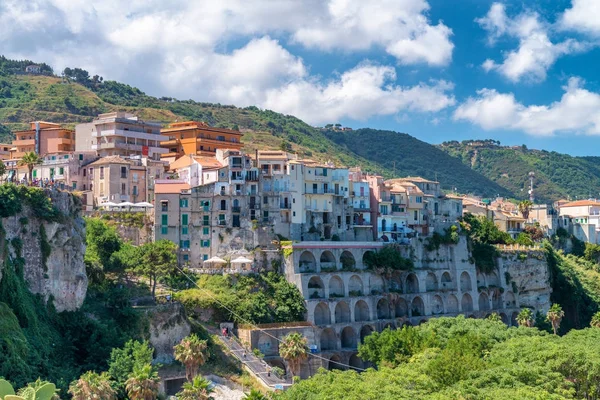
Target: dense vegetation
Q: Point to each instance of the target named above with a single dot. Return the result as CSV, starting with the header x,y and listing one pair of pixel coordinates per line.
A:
x,y
459,358
556,175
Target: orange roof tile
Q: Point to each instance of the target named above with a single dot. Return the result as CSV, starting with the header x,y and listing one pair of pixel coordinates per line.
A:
x,y
170,188
581,203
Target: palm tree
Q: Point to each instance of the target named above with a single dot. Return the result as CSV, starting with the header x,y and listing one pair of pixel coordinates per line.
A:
x,y
595,322
555,314
198,389
525,207
142,384
92,386
191,352
525,318
30,160
494,317
255,395
294,350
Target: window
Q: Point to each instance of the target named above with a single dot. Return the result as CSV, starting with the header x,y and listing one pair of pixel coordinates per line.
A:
x,y
265,200
35,173
223,205
419,199
315,188
74,185
206,220
183,203
84,172
206,206
123,189
294,213
123,172
61,171
164,219
135,190
416,215
101,188
101,172
204,257
164,230
51,172
84,187
184,219
81,157
184,244
186,257
205,243
164,206
206,230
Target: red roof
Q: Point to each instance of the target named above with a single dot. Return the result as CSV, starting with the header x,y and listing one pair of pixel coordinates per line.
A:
x,y
581,203
170,188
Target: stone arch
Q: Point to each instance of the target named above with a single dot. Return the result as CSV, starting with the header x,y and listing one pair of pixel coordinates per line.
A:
x,y
322,314
484,302
348,337
452,304
376,284
406,323
328,340
307,262
466,303
417,307
335,363
355,286
390,325
327,260
447,281
509,299
465,282
383,309
342,312
355,362
336,287
401,308
395,283
365,331
504,319
361,311
492,279
431,283
437,305
412,284
497,299
236,203
316,289
367,256
480,280
513,319
347,260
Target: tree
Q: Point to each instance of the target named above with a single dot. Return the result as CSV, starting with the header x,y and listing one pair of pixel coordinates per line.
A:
x,y
294,350
158,260
143,384
191,352
525,207
92,386
494,317
555,314
595,322
2,171
255,395
30,160
198,389
525,318
134,355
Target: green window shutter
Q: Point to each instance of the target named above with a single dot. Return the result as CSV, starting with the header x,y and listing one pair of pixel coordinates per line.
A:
x,y
205,231
184,219
165,220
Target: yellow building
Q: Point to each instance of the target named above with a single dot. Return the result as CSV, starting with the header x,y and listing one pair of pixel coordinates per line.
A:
x,y
197,138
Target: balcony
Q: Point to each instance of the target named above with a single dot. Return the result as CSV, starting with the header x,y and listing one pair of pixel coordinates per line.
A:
x,y
285,206
26,142
222,222
322,191
236,209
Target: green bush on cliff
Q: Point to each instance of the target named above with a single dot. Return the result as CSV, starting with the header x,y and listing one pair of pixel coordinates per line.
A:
x,y
12,198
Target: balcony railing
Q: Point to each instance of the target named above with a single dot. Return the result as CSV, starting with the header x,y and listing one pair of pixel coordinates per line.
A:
x,y
285,206
236,209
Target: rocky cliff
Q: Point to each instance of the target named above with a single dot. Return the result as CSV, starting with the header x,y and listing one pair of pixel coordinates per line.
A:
x,y
168,325
52,252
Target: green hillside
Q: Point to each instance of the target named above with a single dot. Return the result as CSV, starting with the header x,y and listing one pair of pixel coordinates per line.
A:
x,y
556,175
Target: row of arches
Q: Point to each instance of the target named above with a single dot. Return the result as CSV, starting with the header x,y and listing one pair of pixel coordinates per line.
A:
x,y
402,308
348,338
327,259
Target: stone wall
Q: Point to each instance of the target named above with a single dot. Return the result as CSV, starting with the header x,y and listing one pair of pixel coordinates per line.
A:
x,y
62,276
168,325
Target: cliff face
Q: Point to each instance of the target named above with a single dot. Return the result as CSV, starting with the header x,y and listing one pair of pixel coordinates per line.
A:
x,y
52,252
168,325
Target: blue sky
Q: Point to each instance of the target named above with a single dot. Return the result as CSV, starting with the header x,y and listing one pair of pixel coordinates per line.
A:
x,y
522,72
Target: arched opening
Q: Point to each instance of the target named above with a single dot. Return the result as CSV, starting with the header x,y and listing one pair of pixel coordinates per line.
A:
x,y
480,280
278,364
361,311
383,309
335,363
365,331
328,340
389,325
322,314
452,304
492,280
367,257
236,203
509,300
348,338
466,303
497,299
327,261
431,283
266,345
383,225
437,305
223,205
307,262
355,362
513,319
342,312
417,307
347,260
376,284
401,308
412,284
465,282
504,319
406,323
336,287
447,281
484,302
355,286
316,288
396,283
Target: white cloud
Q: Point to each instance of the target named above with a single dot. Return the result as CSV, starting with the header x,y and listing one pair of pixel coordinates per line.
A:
x,y
181,48
536,52
576,112
583,16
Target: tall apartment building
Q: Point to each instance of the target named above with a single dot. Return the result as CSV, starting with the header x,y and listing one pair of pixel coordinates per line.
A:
x,y
42,138
120,134
197,138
